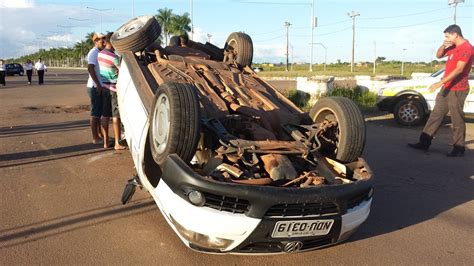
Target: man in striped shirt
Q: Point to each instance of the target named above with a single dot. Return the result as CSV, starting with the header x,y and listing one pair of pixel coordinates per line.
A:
x,y
109,63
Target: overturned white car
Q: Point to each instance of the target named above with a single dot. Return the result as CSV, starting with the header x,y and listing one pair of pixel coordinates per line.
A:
x,y
232,164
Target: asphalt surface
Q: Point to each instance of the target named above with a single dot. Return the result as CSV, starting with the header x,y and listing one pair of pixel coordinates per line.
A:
x,y
60,195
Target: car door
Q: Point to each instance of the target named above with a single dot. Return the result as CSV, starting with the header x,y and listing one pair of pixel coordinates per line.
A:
x,y
469,104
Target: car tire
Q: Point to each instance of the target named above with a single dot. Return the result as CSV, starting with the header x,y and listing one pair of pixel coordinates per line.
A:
x,y
240,44
175,122
409,112
348,136
135,35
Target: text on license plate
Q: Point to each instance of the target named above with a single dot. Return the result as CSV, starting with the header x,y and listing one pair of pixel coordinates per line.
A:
x,y
301,228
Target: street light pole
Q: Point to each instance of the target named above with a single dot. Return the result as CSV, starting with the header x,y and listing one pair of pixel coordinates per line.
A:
x,y
100,10
353,15
404,49
209,37
80,20
287,25
325,54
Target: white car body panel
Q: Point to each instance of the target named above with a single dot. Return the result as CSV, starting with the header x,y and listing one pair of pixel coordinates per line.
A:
x,y
421,86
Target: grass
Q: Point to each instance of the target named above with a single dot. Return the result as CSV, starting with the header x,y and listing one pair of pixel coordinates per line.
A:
x,y
344,70
366,100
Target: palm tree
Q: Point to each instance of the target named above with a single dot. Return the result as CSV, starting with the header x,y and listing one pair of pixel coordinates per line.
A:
x,y
165,17
180,24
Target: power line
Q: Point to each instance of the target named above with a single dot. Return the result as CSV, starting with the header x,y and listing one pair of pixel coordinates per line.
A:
x,y
271,39
406,15
406,26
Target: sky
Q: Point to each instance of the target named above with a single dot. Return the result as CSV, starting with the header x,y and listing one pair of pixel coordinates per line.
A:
x,y
408,30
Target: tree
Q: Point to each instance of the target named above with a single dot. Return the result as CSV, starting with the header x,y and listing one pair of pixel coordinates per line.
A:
x,y
380,59
164,17
180,24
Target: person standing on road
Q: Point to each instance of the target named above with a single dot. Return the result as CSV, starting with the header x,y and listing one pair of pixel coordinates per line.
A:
x,y
454,90
109,63
29,70
94,87
3,69
40,69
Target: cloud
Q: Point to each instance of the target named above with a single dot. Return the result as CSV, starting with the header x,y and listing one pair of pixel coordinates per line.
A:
x,y
38,29
17,3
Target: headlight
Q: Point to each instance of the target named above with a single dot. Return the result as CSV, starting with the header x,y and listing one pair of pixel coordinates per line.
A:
x,y
201,240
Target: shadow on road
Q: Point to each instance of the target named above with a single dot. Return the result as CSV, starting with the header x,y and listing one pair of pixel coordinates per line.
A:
x,y
60,225
412,186
30,157
23,130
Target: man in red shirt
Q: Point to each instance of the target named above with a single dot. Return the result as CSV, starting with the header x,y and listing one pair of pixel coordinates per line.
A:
x,y
454,90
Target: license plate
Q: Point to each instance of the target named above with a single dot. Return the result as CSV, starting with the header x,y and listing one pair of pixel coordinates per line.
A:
x,y
302,228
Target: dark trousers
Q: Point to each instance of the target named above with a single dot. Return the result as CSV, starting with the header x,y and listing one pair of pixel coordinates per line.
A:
x,y
2,78
452,101
28,74
40,76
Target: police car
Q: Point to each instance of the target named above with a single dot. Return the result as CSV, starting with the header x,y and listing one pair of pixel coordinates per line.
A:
x,y
410,101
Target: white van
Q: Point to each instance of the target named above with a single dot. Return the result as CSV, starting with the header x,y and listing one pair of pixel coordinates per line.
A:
x,y
410,101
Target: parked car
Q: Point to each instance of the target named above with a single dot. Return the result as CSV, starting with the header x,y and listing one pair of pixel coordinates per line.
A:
x,y
410,101
233,165
14,69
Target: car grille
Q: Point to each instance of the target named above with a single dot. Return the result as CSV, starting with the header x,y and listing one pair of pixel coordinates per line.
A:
x,y
225,203
273,247
357,200
302,209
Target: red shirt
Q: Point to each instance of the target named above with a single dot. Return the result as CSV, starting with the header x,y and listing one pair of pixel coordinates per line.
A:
x,y
464,53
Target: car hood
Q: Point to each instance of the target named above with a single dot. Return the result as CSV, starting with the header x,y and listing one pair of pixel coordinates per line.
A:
x,y
410,83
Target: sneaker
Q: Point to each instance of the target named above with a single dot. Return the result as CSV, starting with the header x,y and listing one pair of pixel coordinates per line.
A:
x,y
29,83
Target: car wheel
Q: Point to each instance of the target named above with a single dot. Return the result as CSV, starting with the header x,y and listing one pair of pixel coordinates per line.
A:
x,y
239,47
345,139
174,124
409,112
136,34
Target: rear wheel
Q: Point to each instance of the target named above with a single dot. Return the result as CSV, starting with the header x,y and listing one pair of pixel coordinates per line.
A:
x,y
136,34
239,48
344,137
409,112
174,125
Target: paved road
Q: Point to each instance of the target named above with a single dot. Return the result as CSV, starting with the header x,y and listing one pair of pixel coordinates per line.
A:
x,y
60,194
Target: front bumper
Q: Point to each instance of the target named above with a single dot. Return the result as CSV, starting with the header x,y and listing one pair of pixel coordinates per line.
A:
x,y
246,215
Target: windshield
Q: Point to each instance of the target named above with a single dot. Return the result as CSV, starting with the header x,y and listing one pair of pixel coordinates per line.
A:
x,y
437,73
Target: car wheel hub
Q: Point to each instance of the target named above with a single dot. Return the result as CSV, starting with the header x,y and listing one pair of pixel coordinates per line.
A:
x,y
161,123
132,27
408,113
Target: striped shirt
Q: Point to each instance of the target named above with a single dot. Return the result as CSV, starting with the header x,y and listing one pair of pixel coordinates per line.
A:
x,y
109,63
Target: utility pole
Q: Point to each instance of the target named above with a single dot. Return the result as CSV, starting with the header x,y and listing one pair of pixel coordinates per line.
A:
x,y
353,15
455,4
375,56
287,25
403,59
209,37
312,36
